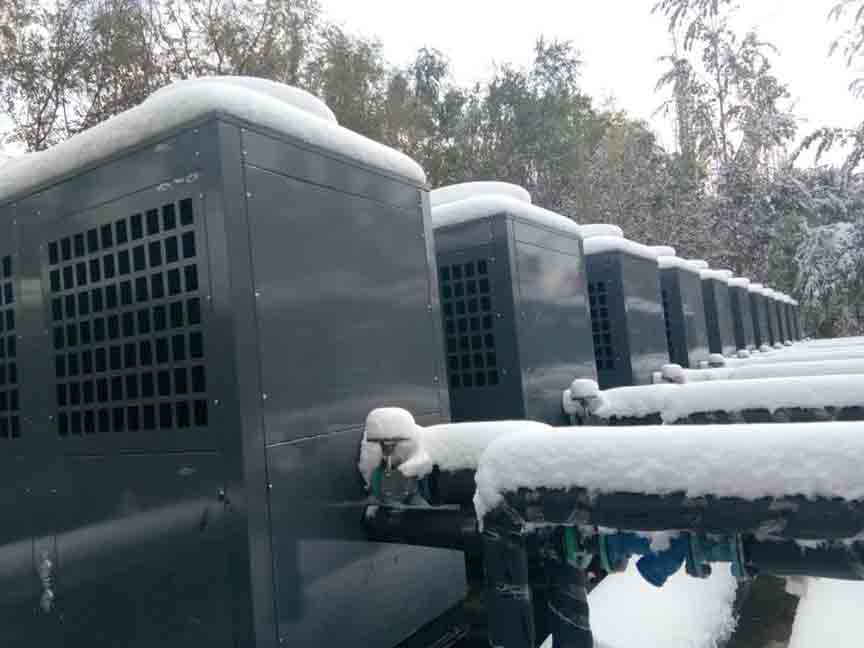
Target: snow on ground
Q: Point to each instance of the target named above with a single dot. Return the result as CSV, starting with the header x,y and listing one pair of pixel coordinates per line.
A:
x,y
628,612
808,459
674,402
461,191
484,206
286,110
829,615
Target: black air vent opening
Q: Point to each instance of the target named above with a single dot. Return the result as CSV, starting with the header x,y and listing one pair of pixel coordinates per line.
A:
x,y
601,325
469,324
126,308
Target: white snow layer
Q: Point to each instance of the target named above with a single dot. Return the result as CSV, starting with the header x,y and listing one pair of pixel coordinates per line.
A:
x,y
186,102
719,275
478,207
807,459
601,229
672,261
628,612
699,264
674,402
739,282
604,243
774,370
289,94
756,288
452,193
664,250
829,615
449,446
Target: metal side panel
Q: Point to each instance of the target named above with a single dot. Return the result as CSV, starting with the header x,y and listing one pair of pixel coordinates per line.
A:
x,y
694,313
333,588
343,305
648,350
555,343
673,316
771,319
20,590
753,300
141,552
724,318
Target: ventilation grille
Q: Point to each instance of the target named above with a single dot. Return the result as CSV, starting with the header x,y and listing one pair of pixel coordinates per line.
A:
x,y
10,421
126,310
601,325
469,324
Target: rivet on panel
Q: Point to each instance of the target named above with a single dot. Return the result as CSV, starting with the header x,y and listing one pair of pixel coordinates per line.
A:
x,y
257,294
435,379
197,154
217,402
264,396
248,195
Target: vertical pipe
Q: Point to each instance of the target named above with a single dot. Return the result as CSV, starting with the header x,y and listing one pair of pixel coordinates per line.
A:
x,y
510,605
568,605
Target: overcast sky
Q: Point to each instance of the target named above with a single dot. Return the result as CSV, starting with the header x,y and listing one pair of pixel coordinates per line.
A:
x,y
620,42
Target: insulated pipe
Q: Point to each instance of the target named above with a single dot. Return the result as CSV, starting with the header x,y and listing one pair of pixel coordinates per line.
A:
x,y
443,528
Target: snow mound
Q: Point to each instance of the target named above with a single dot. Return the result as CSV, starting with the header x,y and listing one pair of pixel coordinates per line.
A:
x,y
258,103
479,207
628,612
453,193
829,615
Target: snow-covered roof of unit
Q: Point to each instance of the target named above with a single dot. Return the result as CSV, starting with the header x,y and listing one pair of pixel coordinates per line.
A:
x,y
292,96
599,241
452,193
739,282
478,207
674,402
719,275
664,250
699,264
601,229
665,262
795,459
756,288
254,101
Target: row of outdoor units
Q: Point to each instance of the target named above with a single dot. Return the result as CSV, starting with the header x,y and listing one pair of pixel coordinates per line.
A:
x,y
202,300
